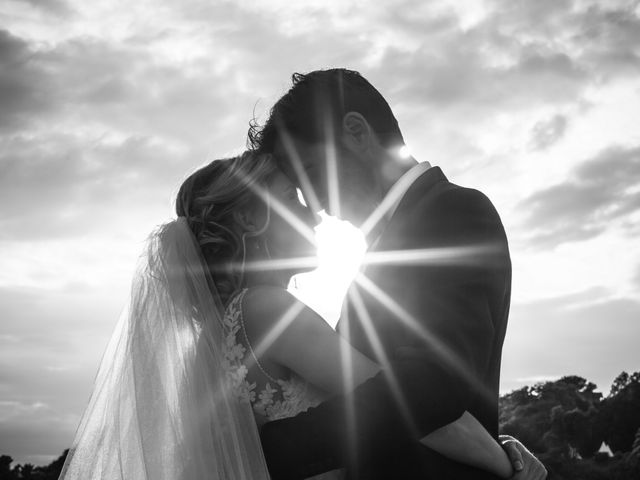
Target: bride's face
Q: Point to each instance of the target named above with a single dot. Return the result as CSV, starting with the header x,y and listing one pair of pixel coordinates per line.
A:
x,y
289,218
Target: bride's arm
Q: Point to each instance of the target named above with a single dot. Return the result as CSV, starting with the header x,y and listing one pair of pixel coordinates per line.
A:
x,y
287,332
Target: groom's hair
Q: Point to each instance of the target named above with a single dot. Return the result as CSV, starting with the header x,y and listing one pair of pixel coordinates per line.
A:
x,y
315,105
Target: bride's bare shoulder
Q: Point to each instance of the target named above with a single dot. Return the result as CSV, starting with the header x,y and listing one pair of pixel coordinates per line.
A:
x,y
266,306
265,299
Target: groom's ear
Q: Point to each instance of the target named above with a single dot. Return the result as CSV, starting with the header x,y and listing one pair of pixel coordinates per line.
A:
x,y
357,134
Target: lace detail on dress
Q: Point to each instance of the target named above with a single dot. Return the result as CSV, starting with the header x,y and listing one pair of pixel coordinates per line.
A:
x,y
234,353
286,398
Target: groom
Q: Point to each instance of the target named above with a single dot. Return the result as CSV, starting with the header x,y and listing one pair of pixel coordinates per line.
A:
x,y
431,305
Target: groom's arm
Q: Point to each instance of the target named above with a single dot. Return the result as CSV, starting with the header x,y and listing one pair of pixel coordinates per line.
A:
x,y
433,369
363,422
334,433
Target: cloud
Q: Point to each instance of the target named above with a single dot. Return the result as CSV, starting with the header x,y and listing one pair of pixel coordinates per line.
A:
x,y
532,380
600,36
33,432
636,277
90,82
546,133
599,191
59,8
518,56
507,58
50,344
55,185
263,45
613,36
588,334
91,127
22,83
460,72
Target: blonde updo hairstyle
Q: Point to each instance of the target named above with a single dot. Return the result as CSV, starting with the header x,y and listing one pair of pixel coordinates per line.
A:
x,y
208,199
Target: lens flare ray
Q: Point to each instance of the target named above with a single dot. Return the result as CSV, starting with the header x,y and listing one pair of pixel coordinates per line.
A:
x,y
294,159
346,361
391,200
381,356
439,349
333,187
280,326
462,255
280,209
297,263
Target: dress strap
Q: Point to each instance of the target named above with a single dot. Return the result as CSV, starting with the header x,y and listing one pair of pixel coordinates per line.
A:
x,y
246,338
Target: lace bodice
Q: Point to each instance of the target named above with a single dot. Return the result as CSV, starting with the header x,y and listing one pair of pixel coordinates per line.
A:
x,y
280,398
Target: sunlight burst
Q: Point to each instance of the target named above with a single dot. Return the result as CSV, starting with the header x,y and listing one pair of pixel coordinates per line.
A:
x,y
341,249
404,152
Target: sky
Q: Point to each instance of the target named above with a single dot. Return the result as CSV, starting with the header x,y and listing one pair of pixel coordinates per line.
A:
x,y
106,106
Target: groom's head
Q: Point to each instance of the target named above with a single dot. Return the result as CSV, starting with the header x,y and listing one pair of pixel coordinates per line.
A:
x,y
336,136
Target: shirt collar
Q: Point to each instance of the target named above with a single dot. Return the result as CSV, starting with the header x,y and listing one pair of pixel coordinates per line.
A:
x,y
392,199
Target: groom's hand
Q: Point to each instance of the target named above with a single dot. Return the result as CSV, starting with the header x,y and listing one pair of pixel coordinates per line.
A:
x,y
525,464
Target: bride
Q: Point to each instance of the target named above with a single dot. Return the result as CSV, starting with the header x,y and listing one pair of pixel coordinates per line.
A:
x,y
212,345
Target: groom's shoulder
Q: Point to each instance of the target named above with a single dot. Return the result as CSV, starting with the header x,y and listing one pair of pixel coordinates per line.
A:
x,y
466,196
433,186
446,197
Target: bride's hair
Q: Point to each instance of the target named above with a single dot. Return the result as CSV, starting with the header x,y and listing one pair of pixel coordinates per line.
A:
x,y
208,199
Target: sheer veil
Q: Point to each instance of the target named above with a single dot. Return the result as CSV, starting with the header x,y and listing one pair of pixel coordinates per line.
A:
x,y
161,407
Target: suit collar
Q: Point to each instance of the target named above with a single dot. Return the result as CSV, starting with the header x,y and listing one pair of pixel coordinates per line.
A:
x,y
403,185
423,183
386,208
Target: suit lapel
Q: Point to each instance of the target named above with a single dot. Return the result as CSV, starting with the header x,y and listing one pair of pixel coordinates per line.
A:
x,y
423,186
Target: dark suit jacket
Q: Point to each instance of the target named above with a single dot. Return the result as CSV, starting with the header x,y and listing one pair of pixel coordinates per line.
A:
x,y
435,319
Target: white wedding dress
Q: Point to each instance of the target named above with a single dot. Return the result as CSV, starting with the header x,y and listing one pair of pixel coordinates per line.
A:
x,y
170,399
280,398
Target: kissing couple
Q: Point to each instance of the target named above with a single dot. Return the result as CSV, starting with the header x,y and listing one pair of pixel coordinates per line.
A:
x,y
215,371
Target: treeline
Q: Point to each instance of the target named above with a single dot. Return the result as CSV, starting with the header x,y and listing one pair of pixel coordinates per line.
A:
x,y
564,422
28,471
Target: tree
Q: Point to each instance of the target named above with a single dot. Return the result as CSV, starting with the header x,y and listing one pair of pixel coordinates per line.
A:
x,y
583,431
52,471
621,412
522,417
554,417
5,468
619,383
26,472
29,472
